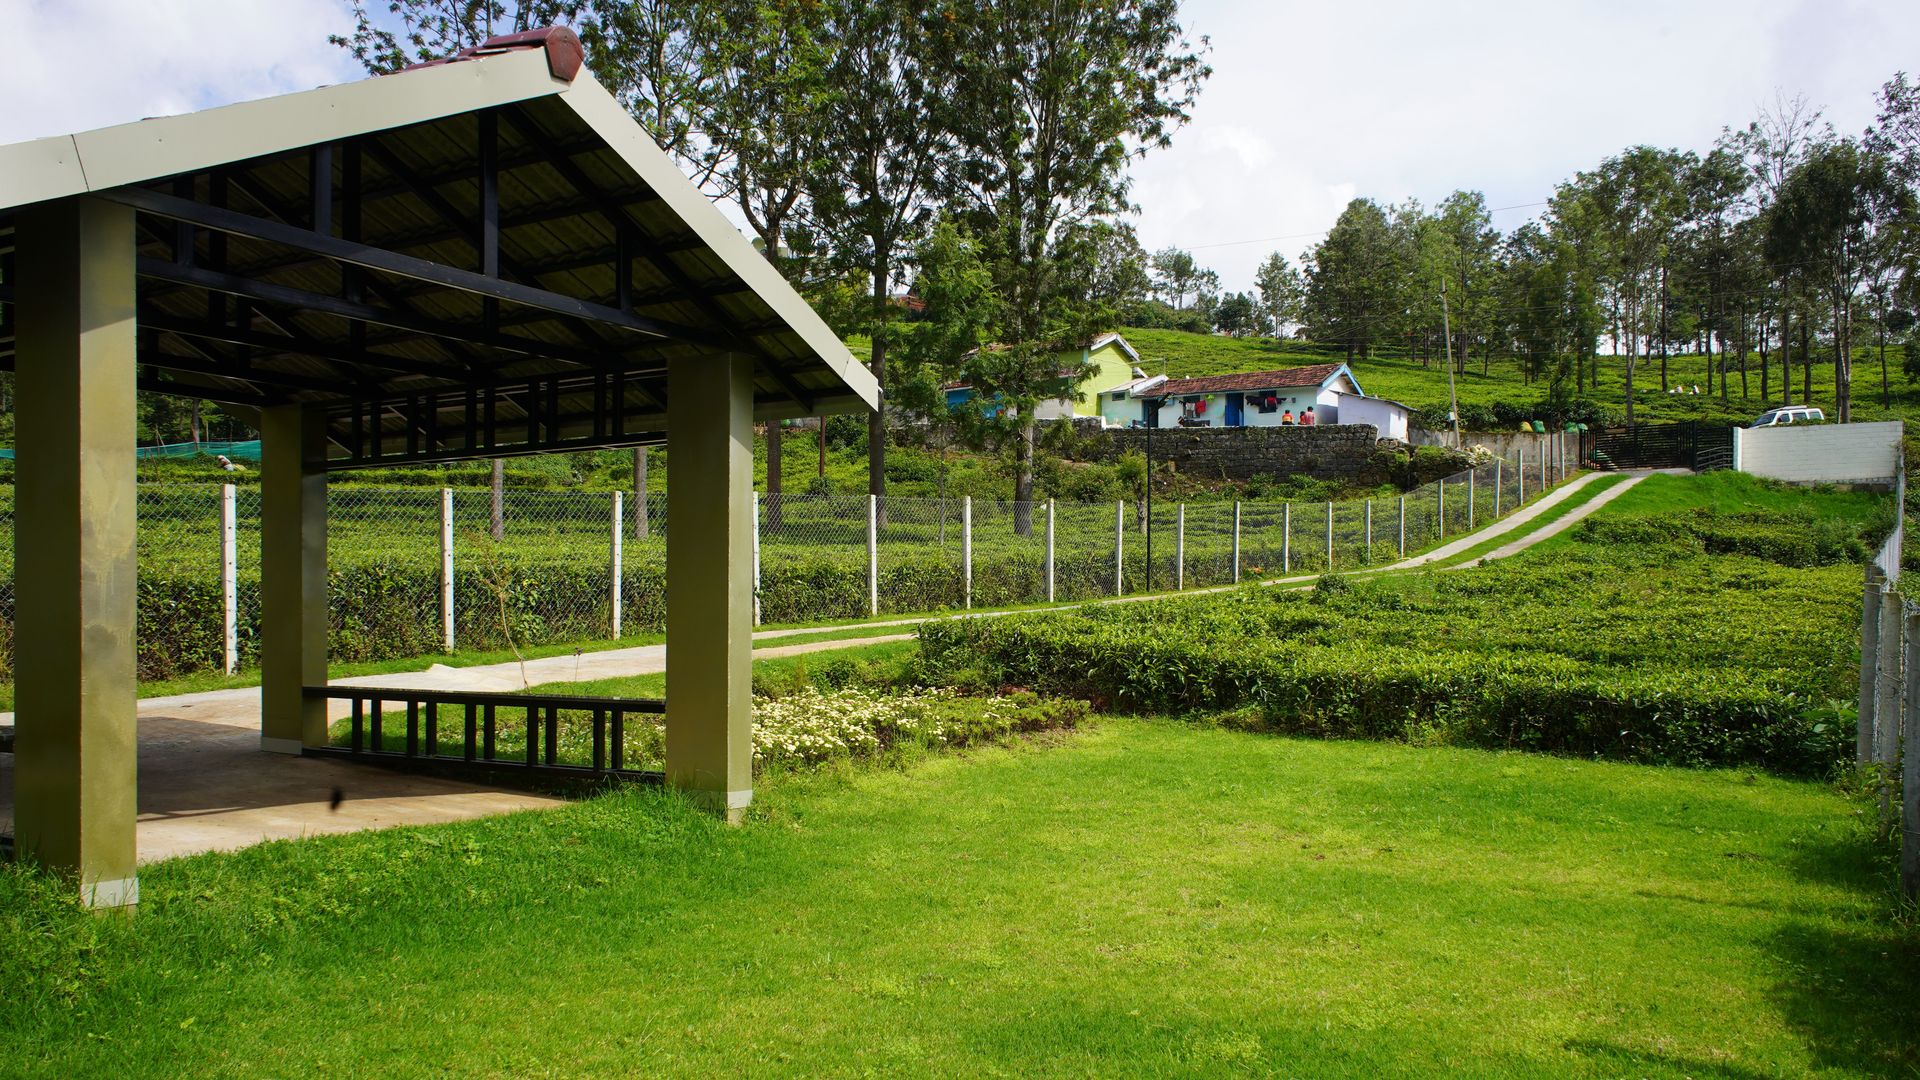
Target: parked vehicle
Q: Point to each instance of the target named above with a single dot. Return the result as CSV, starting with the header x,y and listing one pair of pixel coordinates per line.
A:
x,y
1789,414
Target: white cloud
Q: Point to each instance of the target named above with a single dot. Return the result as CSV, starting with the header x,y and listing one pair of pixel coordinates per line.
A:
x,y
73,65
1393,100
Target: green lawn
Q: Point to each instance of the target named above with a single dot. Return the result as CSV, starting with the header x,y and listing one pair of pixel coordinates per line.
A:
x,y
1143,898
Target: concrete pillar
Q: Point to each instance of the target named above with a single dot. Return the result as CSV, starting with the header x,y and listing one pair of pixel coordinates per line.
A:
x,y
293,577
710,582
75,765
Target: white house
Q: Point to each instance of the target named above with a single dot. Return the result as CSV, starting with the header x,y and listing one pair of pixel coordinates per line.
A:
x,y
1256,398
1389,417
1127,404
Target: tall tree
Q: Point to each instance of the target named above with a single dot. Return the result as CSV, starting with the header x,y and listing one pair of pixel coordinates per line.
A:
x,y
1282,292
1354,279
1832,221
1174,274
887,146
1468,242
1054,99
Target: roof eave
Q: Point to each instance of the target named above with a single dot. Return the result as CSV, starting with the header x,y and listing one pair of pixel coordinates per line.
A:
x,y
162,146
611,122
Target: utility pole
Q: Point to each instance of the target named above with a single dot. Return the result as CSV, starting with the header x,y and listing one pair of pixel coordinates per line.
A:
x,y
1446,334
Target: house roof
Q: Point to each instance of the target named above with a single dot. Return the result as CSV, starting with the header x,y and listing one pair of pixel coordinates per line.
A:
x,y
610,263
1383,400
1314,375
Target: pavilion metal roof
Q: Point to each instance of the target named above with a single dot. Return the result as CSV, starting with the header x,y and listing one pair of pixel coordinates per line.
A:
x,y
471,258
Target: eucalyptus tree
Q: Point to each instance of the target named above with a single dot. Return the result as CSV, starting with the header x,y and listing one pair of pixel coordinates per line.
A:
x,y
1282,292
1355,280
1468,243
887,151
1783,134
1052,100
1634,203
1174,275
1834,219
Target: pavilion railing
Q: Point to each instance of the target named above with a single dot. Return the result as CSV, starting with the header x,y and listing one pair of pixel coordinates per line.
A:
x,y
502,737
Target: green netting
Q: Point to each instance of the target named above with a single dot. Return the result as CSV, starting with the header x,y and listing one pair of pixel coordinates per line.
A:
x,y
244,451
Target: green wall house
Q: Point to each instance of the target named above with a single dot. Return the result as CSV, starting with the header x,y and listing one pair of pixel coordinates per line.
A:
x,y
1111,359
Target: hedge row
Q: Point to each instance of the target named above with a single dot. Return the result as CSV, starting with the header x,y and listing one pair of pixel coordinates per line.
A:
x,y
1530,702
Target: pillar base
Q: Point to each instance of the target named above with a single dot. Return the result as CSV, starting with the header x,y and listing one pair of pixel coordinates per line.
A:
x,y
109,895
281,746
731,805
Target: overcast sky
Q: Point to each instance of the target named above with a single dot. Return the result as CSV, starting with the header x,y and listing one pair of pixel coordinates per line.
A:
x,y
1311,103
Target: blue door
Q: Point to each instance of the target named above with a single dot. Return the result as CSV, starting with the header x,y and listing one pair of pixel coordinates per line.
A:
x,y
1236,410
1150,412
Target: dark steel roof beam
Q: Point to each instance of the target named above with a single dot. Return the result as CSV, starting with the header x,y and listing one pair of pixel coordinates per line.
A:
x,y
349,253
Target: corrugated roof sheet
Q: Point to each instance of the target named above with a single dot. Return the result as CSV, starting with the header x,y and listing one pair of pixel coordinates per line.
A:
x,y
1314,375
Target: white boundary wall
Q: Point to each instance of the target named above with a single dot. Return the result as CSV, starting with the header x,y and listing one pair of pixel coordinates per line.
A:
x,y
1821,453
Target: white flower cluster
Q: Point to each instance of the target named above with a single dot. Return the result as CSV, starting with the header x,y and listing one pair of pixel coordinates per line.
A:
x,y
812,725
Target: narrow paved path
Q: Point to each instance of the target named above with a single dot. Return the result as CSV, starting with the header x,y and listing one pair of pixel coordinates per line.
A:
x,y
240,707
205,785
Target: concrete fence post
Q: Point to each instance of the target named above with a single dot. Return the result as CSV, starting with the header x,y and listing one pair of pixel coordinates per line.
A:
x,y
619,533
756,558
1498,481
1367,558
1910,762
1403,526
1473,475
873,554
1049,559
1329,535
1286,538
1886,706
1440,508
1236,541
1520,462
230,575
966,550
1870,600
446,568
1180,547
1119,548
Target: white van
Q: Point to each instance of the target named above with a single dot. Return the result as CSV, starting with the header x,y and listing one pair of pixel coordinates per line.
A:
x,y
1789,414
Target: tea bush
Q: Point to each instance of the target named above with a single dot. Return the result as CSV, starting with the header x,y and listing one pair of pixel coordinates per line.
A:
x,y
1684,638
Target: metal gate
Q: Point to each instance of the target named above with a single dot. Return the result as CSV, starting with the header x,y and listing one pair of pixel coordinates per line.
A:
x,y
1697,446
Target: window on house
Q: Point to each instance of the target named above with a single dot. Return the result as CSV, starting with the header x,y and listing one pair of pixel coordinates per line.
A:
x,y
1268,403
1119,395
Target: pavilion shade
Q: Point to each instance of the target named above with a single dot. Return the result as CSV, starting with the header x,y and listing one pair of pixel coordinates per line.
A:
x,y
218,321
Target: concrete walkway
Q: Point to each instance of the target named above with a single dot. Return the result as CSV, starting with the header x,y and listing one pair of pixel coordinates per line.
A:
x,y
205,785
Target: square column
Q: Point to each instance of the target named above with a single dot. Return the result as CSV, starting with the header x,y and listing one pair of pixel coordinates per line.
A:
x,y
710,581
293,576
74,566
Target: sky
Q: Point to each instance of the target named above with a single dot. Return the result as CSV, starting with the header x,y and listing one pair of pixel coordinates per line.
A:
x,y
1310,105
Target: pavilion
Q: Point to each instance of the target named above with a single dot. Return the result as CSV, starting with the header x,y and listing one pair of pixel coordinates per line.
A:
x,y
480,257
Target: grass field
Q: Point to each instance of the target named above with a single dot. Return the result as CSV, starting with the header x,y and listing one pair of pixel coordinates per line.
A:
x,y
1144,898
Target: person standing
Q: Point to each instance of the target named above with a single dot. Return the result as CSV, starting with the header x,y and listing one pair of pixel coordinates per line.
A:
x,y
1307,417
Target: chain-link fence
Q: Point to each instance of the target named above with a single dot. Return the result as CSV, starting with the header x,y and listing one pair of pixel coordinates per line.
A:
x,y
417,571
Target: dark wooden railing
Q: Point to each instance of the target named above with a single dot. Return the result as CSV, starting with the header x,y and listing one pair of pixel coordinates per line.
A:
x,y
460,733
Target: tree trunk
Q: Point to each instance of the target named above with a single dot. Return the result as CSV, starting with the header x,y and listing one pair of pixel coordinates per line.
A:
x,y
1023,478
1886,398
498,519
1786,355
1806,361
1663,328
640,523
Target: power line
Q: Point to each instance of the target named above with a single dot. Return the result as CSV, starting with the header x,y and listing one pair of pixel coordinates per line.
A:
x,y
1323,232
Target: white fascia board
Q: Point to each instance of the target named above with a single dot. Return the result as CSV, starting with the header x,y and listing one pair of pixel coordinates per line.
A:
x,y
165,145
612,123
1125,345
